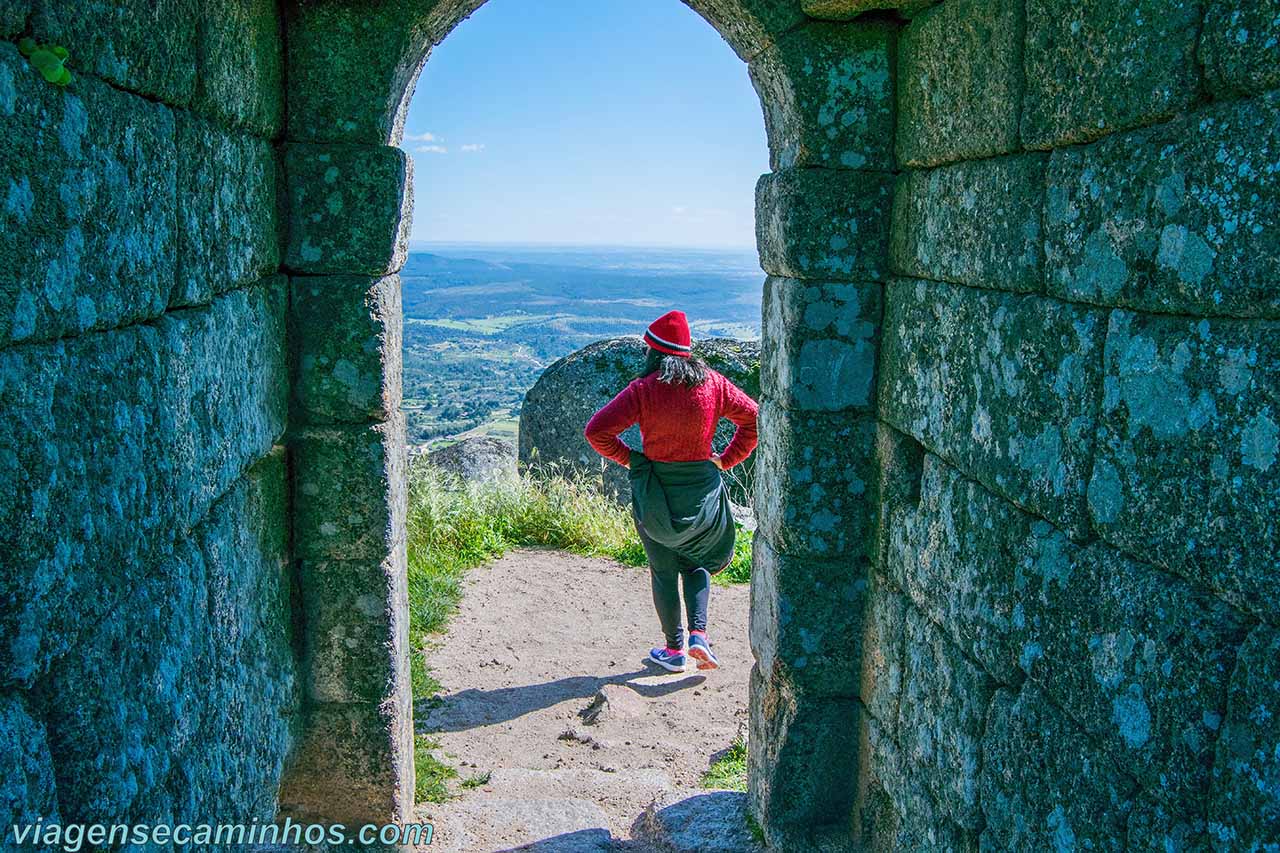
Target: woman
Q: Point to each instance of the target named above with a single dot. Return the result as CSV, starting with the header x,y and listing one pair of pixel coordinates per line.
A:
x,y
678,498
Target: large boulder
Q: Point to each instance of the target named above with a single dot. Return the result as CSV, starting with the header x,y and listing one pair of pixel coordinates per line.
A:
x,y
478,459
570,391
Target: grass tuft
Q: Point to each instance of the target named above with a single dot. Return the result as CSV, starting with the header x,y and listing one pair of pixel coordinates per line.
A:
x,y
477,781
729,771
432,774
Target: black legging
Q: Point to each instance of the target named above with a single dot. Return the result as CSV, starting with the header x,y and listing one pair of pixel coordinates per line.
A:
x,y
667,575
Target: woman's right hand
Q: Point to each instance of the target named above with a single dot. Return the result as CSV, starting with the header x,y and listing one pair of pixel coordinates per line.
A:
x,y
715,460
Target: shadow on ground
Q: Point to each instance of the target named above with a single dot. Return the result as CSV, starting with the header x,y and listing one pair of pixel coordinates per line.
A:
x,y
471,707
582,841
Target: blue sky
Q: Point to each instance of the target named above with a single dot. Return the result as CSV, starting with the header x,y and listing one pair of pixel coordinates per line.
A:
x,y
623,122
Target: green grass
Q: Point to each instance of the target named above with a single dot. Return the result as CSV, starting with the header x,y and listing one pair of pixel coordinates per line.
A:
x,y
424,683
477,781
454,527
739,568
433,774
753,826
729,771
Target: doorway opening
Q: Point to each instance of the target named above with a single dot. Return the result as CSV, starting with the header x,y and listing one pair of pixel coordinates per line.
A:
x,y
556,215
828,122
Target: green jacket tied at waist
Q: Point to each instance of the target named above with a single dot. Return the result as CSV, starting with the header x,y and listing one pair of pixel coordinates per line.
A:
x,y
684,507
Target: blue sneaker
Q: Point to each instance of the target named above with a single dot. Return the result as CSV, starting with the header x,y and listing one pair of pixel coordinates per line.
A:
x,y
700,650
672,660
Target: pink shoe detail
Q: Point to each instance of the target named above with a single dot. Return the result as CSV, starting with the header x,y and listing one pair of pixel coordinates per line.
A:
x,y
700,650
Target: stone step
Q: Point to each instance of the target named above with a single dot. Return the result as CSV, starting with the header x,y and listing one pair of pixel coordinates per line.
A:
x,y
482,822
703,822
644,784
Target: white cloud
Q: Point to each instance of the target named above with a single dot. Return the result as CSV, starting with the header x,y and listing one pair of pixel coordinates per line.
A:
x,y
471,147
679,210
431,149
421,137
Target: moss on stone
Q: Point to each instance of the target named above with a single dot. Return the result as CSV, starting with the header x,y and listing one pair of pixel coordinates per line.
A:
x,y
1244,811
207,634
1099,66
1006,387
1044,785
815,472
90,194
805,620
349,490
959,82
1240,47
802,752
1188,435
28,790
118,442
347,343
13,16
820,344
348,208
975,223
827,93
240,64
1180,218
825,224
844,10
228,233
145,46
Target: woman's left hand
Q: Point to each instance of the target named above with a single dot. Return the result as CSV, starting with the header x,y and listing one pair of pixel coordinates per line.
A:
x,y
715,460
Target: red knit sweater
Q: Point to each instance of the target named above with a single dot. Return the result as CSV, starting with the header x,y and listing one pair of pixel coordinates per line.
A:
x,y
676,422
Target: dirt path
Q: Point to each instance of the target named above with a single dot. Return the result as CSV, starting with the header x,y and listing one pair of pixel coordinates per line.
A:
x,y
538,634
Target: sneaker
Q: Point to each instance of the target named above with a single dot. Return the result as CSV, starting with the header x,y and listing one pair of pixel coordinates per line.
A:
x,y
700,650
671,660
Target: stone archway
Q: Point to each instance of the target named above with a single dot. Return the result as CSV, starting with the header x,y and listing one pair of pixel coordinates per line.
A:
x,y
1016,582
822,223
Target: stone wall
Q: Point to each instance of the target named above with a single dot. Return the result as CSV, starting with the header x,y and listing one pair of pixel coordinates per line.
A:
x,y
822,223
148,670
348,199
1072,611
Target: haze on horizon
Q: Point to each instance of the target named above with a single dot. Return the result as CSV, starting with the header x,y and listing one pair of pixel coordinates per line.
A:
x,y
626,123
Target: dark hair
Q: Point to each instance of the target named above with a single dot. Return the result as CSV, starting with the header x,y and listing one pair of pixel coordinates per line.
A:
x,y
688,371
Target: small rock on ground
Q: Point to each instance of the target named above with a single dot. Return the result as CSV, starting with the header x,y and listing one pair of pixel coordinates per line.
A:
x,y
614,702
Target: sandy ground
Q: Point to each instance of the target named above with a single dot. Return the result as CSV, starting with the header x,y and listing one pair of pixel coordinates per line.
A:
x,y
537,635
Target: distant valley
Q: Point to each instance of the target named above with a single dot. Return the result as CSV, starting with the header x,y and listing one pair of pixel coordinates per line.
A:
x,y
482,322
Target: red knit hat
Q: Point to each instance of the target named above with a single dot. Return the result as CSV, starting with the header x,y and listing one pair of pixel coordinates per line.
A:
x,y
670,334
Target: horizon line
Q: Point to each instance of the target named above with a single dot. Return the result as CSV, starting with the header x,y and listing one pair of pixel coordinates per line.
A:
x,y
526,244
